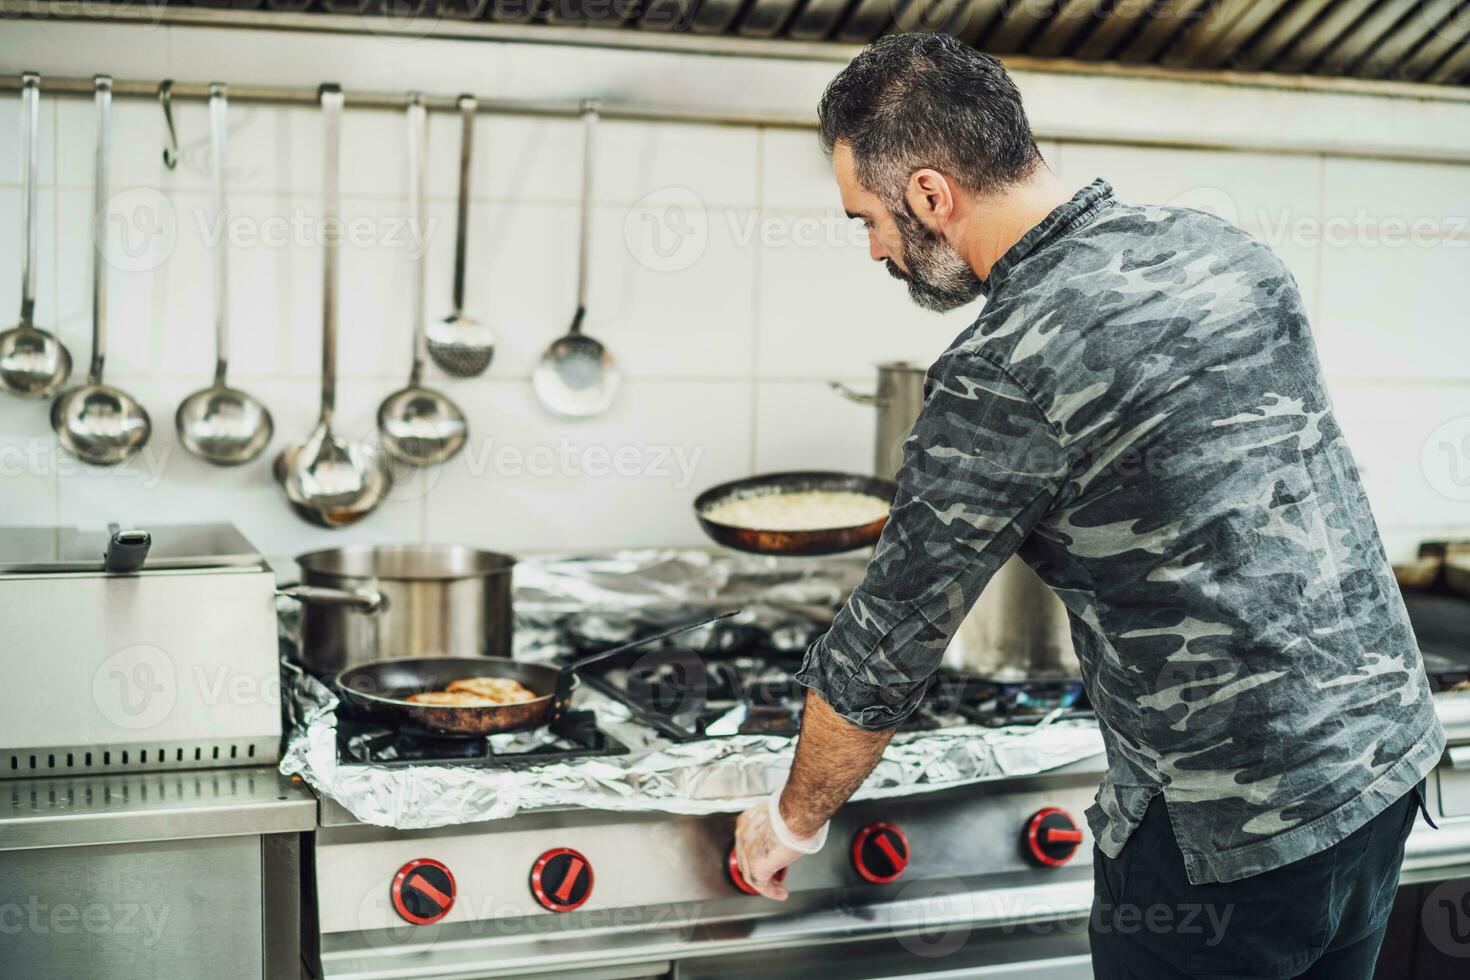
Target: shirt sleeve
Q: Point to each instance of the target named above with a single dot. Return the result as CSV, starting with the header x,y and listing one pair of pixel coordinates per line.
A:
x,y
980,469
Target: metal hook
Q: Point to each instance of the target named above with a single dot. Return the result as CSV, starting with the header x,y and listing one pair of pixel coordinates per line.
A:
x,y
165,98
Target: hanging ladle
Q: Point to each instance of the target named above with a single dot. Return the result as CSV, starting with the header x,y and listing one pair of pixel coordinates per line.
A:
x,y
329,481
33,363
95,422
459,344
577,377
220,424
419,426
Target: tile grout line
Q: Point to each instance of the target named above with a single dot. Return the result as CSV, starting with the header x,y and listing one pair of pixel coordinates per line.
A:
x,y
757,266
56,279
1319,259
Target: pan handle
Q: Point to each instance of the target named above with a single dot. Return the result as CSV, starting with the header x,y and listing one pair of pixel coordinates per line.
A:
x,y
358,600
565,675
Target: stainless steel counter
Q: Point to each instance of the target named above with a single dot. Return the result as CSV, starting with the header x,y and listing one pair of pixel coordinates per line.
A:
x,y
154,875
137,807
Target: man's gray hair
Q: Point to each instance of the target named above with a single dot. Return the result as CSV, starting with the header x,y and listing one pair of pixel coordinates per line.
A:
x,y
911,101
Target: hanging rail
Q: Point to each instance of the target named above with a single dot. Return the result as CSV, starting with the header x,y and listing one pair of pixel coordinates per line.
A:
x,y
398,101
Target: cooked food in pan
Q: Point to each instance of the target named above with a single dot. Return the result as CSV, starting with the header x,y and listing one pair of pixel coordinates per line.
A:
x,y
451,699
799,510
501,690
476,692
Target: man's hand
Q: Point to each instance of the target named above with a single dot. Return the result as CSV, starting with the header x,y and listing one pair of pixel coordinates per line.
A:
x,y
759,854
833,757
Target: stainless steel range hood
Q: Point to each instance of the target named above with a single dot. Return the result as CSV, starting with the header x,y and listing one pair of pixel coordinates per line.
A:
x,y
1422,41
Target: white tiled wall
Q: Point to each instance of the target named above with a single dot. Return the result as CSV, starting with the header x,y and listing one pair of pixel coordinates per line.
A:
x,y
724,279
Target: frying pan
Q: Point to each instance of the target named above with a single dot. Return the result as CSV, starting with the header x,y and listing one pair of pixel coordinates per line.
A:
x,y
380,689
824,541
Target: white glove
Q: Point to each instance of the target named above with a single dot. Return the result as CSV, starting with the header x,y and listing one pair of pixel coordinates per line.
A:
x,y
810,845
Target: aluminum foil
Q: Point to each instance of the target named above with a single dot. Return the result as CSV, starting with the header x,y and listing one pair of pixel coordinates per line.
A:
x,y
566,604
710,776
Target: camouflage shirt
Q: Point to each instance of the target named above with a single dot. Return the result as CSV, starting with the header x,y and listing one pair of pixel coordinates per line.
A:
x,y
1138,412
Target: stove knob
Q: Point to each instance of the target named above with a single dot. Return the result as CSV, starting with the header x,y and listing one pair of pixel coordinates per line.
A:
x,y
1051,837
561,879
423,891
732,868
880,853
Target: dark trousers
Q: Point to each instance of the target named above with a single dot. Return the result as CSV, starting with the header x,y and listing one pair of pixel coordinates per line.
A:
x,y
1320,918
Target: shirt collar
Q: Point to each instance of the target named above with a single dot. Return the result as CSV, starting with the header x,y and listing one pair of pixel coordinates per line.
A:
x,y
1061,220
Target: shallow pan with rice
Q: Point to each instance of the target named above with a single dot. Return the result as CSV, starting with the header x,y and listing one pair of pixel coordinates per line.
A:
x,y
807,541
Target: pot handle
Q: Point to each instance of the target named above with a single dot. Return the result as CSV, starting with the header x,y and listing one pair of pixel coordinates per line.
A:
x,y
862,398
359,600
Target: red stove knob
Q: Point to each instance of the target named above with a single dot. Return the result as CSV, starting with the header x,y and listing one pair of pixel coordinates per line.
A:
x,y
561,879
880,852
1051,837
423,891
732,868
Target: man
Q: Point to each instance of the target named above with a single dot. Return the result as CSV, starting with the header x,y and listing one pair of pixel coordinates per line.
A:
x,y
1138,411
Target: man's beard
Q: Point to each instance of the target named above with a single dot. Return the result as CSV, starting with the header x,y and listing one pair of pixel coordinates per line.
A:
x,y
938,278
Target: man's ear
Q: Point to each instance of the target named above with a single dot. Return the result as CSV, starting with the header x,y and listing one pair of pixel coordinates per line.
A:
x,y
931,196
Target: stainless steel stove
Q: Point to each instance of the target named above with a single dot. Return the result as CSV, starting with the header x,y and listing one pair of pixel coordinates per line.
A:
x,y
973,875
986,875
990,879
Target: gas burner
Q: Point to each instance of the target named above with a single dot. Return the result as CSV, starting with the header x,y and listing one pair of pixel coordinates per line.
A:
x,y
574,736
687,695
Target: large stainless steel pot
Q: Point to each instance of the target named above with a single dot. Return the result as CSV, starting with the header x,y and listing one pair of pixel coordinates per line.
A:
x,y
1018,629
898,397
364,603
